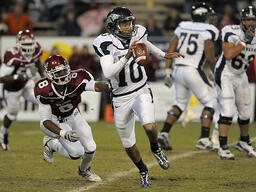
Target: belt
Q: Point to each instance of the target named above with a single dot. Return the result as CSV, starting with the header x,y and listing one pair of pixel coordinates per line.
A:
x,y
181,65
62,119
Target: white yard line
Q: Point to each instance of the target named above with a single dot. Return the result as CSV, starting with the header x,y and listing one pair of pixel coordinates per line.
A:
x,y
118,175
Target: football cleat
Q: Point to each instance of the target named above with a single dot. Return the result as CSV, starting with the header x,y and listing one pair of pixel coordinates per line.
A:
x,y
145,180
225,154
163,140
246,147
48,152
204,144
89,175
161,158
4,138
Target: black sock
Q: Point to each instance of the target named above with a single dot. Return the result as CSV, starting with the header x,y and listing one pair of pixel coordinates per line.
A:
x,y
154,146
141,166
167,127
205,132
223,141
7,122
245,138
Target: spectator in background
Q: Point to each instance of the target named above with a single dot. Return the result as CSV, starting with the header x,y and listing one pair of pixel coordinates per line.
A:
x,y
35,9
55,51
74,60
54,8
151,67
89,63
230,10
152,28
225,20
172,20
17,21
91,21
69,27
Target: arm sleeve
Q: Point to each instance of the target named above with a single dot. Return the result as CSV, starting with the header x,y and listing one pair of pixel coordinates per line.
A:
x,y
6,70
110,68
155,50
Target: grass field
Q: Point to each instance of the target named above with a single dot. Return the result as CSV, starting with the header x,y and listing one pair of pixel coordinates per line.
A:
x,y
22,168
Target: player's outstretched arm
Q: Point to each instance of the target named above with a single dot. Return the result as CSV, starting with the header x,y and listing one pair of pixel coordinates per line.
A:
x,y
101,86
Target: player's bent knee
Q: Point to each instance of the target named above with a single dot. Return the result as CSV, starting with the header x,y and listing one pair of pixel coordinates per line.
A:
x,y
75,154
175,114
225,120
90,146
150,126
210,112
127,143
243,122
12,116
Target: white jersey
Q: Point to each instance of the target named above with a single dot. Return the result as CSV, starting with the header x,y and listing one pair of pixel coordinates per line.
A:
x,y
132,77
191,42
239,64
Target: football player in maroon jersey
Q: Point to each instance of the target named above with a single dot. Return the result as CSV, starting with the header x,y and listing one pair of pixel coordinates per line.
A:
x,y
67,131
17,62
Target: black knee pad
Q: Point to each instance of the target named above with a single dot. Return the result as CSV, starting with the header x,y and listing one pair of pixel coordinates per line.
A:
x,y
209,116
225,120
243,122
175,114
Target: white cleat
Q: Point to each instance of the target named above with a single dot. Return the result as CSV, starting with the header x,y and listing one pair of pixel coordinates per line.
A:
x,y
204,144
163,140
246,147
225,154
89,175
48,152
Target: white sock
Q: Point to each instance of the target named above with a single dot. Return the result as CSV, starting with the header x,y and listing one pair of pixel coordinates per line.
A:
x,y
55,145
86,161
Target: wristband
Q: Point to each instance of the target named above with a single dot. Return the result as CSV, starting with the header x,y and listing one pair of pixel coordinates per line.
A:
x,y
243,44
62,133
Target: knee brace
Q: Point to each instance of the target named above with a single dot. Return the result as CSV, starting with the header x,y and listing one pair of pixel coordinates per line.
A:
x,y
170,112
209,116
225,120
243,122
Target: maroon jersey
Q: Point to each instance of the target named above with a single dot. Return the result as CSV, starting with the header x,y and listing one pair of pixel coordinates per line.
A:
x,y
13,57
63,107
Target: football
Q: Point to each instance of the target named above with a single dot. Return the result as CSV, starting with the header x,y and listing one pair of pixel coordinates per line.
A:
x,y
140,54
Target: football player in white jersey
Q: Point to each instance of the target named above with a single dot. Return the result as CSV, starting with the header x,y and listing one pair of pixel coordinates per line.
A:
x,y
195,39
131,93
239,46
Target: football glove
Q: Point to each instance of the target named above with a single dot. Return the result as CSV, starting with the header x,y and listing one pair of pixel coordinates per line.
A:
x,y
69,135
168,80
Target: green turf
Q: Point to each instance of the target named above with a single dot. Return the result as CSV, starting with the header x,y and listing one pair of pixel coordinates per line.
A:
x,y
22,168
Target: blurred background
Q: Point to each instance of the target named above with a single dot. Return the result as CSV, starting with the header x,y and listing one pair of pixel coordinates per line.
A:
x,y
68,27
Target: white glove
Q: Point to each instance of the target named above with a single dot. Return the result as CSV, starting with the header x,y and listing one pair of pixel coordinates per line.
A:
x,y
69,135
168,80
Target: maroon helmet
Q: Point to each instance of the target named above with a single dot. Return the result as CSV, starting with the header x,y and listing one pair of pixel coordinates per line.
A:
x,y
26,42
57,70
